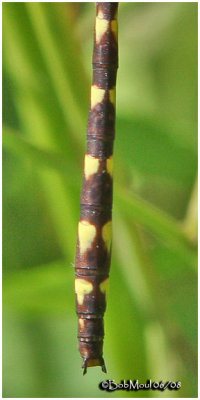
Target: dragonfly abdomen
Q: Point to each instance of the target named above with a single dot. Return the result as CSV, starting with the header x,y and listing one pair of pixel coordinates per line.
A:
x,y
95,226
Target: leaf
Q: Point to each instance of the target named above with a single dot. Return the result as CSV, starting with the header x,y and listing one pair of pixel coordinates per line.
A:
x,y
159,223
43,289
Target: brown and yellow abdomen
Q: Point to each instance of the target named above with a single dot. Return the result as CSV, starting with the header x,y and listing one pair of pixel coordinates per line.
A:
x,y
95,226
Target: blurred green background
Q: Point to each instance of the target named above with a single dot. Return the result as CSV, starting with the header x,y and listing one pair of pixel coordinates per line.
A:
x,y
150,323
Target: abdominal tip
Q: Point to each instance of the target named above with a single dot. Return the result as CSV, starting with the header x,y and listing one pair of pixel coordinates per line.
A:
x,y
104,368
85,371
92,363
84,366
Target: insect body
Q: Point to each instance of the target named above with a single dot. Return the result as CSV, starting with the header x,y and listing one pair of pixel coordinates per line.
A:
x,y
95,227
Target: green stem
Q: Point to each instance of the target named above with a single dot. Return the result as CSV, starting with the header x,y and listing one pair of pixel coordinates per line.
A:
x,y
157,222
55,67
190,223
